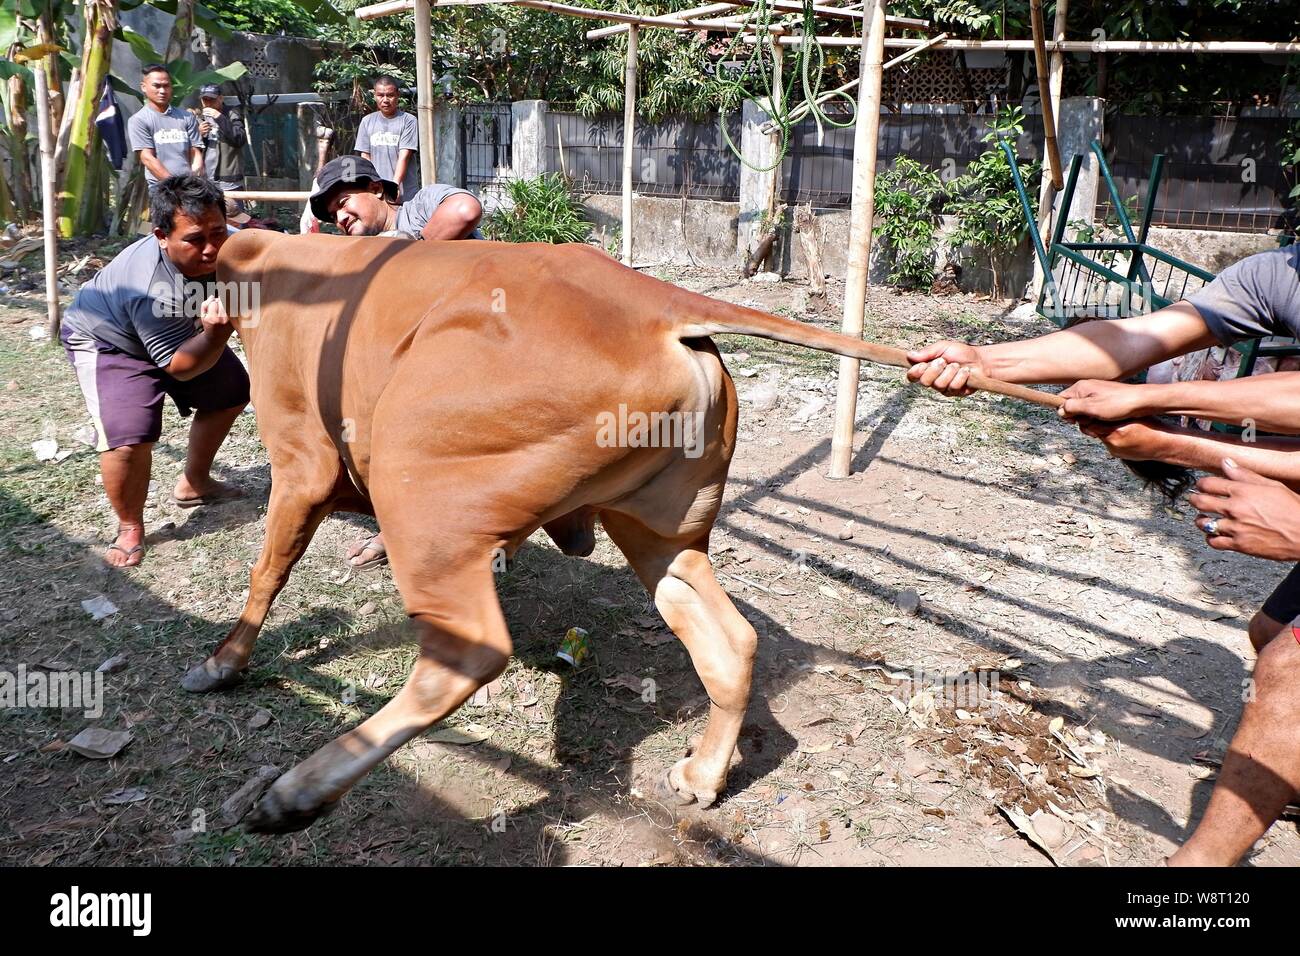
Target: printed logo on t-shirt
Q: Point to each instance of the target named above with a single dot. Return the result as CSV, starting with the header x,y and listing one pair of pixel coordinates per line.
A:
x,y
385,139
171,136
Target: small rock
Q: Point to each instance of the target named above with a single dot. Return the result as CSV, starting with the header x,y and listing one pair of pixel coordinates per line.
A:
x,y
370,607
259,719
99,607
1051,828
114,664
908,601
99,744
241,801
846,533
126,795
46,449
766,277
763,398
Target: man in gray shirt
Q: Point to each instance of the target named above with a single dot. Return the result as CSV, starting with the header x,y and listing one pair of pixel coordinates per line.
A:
x,y
352,194
1259,296
355,196
166,139
144,328
390,138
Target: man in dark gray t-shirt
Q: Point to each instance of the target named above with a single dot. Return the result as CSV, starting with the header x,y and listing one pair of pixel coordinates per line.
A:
x,y
1249,509
353,195
166,140
144,328
390,138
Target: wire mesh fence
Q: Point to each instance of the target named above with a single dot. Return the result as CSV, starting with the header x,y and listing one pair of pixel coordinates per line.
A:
x,y
946,137
676,156
1223,167
1221,172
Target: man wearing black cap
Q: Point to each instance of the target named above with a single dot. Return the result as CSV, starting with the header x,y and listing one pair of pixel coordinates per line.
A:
x,y
351,194
223,140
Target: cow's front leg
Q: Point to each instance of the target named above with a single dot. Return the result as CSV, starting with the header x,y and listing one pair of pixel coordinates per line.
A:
x,y
291,519
463,645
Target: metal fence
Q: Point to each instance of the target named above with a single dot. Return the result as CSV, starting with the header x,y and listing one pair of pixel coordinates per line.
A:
x,y
273,143
677,156
945,137
485,131
1221,172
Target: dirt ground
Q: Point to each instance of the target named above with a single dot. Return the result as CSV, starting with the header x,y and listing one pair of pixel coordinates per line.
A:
x,y
988,646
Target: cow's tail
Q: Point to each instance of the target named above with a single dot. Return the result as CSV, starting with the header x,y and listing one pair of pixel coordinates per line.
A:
x,y
728,319
724,318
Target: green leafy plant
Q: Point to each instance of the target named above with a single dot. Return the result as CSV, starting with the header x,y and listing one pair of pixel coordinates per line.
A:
x,y
908,198
1289,145
984,198
540,210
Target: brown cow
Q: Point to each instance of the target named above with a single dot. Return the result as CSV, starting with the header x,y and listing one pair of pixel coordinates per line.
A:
x,y
462,393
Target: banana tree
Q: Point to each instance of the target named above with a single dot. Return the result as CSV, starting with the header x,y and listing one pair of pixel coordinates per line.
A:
x,y
81,210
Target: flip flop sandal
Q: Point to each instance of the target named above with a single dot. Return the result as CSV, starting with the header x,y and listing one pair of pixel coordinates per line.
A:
x,y
370,563
127,554
215,498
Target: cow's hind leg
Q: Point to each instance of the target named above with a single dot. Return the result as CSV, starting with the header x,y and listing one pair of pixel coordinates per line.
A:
x,y
464,644
677,572
296,509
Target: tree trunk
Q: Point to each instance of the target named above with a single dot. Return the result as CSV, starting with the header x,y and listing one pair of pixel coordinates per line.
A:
x,y
82,212
810,241
20,161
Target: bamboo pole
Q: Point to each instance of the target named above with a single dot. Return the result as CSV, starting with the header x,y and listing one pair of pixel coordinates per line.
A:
x,y
424,90
709,9
1074,46
866,137
49,216
1047,189
1045,94
629,135
269,195
777,104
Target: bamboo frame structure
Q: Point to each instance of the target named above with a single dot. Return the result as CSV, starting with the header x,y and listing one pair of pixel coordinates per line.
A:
x,y
735,17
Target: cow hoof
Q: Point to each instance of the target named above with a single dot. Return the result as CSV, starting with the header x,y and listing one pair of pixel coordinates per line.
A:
x,y
210,676
274,815
677,790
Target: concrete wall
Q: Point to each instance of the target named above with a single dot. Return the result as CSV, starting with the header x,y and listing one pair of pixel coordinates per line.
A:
x,y
1214,251
703,233
669,231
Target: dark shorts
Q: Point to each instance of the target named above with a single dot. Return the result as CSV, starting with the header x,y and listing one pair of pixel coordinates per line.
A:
x,y
1283,605
124,394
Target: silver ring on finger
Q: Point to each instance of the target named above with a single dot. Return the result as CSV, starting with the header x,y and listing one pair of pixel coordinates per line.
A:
x,y
1211,527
